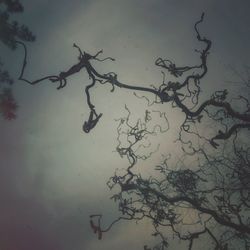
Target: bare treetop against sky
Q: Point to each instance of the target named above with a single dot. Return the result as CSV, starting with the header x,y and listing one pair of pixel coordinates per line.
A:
x,y
53,175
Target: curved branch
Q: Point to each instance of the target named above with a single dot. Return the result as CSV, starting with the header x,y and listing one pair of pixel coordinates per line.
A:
x,y
225,105
24,66
226,135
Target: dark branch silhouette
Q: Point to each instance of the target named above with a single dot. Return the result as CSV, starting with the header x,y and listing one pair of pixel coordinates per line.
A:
x,y
177,93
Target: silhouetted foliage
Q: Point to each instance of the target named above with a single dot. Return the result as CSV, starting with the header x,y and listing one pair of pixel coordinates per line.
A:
x,y
8,105
10,32
5,76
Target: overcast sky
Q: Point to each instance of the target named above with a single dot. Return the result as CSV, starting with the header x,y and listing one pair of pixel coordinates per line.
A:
x,y
53,176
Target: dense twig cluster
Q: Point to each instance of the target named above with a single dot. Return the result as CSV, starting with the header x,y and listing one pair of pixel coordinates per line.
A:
x,y
131,137
209,200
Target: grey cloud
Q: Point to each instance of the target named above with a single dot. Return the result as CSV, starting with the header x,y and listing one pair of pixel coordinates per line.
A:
x,y
52,175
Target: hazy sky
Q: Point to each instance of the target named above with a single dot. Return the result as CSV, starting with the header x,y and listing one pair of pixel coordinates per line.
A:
x,y
53,176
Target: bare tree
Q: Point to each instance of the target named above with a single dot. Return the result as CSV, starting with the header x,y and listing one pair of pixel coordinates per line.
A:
x,y
214,188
